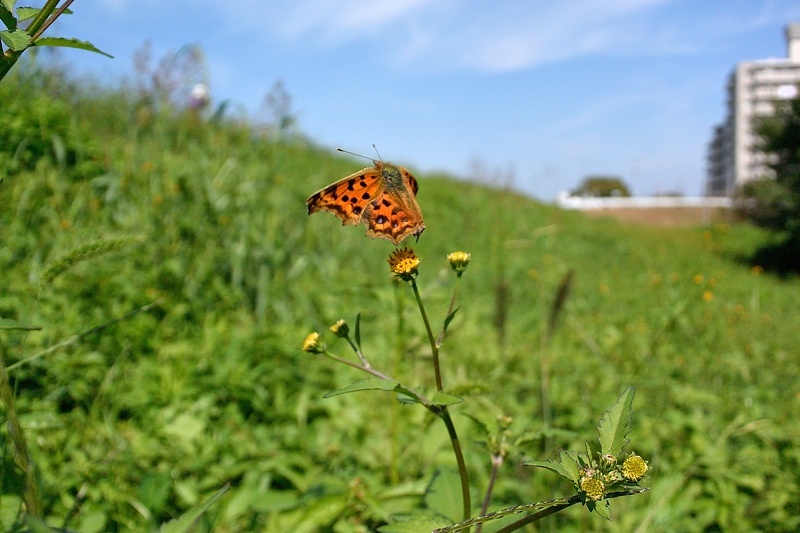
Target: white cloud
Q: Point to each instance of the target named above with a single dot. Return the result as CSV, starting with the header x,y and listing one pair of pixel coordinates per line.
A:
x,y
495,36
331,22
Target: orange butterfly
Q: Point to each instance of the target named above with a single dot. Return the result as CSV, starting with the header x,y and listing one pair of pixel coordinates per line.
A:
x,y
383,197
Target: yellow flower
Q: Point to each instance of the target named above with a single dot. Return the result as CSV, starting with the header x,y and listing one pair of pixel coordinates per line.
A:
x,y
458,261
708,296
340,328
593,487
698,279
404,263
634,468
313,344
757,270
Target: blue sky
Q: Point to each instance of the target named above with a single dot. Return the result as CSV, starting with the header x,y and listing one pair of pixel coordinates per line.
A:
x,y
536,94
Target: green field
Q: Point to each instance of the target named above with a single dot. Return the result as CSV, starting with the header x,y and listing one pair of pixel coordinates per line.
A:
x,y
134,423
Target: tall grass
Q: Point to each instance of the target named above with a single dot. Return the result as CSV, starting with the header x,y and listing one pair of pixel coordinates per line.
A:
x,y
134,424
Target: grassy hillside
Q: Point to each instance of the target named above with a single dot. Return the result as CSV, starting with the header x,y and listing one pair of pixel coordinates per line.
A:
x,y
133,423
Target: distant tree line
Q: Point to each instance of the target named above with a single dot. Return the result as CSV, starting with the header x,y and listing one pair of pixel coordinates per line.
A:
x,y
602,186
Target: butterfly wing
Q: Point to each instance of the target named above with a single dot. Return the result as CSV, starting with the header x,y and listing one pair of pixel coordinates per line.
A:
x,y
348,198
394,213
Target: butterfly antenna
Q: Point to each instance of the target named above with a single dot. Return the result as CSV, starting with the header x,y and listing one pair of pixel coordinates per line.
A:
x,y
377,152
357,155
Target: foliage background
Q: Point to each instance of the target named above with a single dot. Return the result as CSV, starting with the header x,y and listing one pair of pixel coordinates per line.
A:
x,y
135,423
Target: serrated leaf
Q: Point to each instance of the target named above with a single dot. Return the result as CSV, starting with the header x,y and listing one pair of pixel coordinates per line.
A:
x,y
616,424
442,398
187,520
603,509
25,13
70,43
357,333
567,465
7,16
365,384
387,385
443,495
16,40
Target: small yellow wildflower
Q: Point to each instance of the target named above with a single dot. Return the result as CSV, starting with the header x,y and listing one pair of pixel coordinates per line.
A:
x,y
593,487
313,344
708,296
404,263
698,279
340,328
757,270
634,468
458,261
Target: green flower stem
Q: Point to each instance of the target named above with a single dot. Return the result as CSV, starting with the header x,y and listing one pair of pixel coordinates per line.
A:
x,y
444,414
21,455
37,31
441,411
440,338
359,353
434,348
366,367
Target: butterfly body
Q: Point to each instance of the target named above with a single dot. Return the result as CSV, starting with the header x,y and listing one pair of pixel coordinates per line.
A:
x,y
383,197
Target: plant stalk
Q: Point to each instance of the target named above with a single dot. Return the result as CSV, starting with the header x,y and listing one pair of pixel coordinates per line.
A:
x,y
442,411
434,348
21,454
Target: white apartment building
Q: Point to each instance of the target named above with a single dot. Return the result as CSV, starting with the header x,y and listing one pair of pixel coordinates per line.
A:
x,y
753,87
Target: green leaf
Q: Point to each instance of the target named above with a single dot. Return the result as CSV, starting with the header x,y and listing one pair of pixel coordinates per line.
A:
x,y
388,385
69,43
603,509
319,512
443,495
154,490
441,398
567,465
187,520
25,13
7,15
357,333
449,318
616,424
16,40
37,525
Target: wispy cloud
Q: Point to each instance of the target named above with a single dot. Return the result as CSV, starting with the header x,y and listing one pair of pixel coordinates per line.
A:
x,y
488,36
